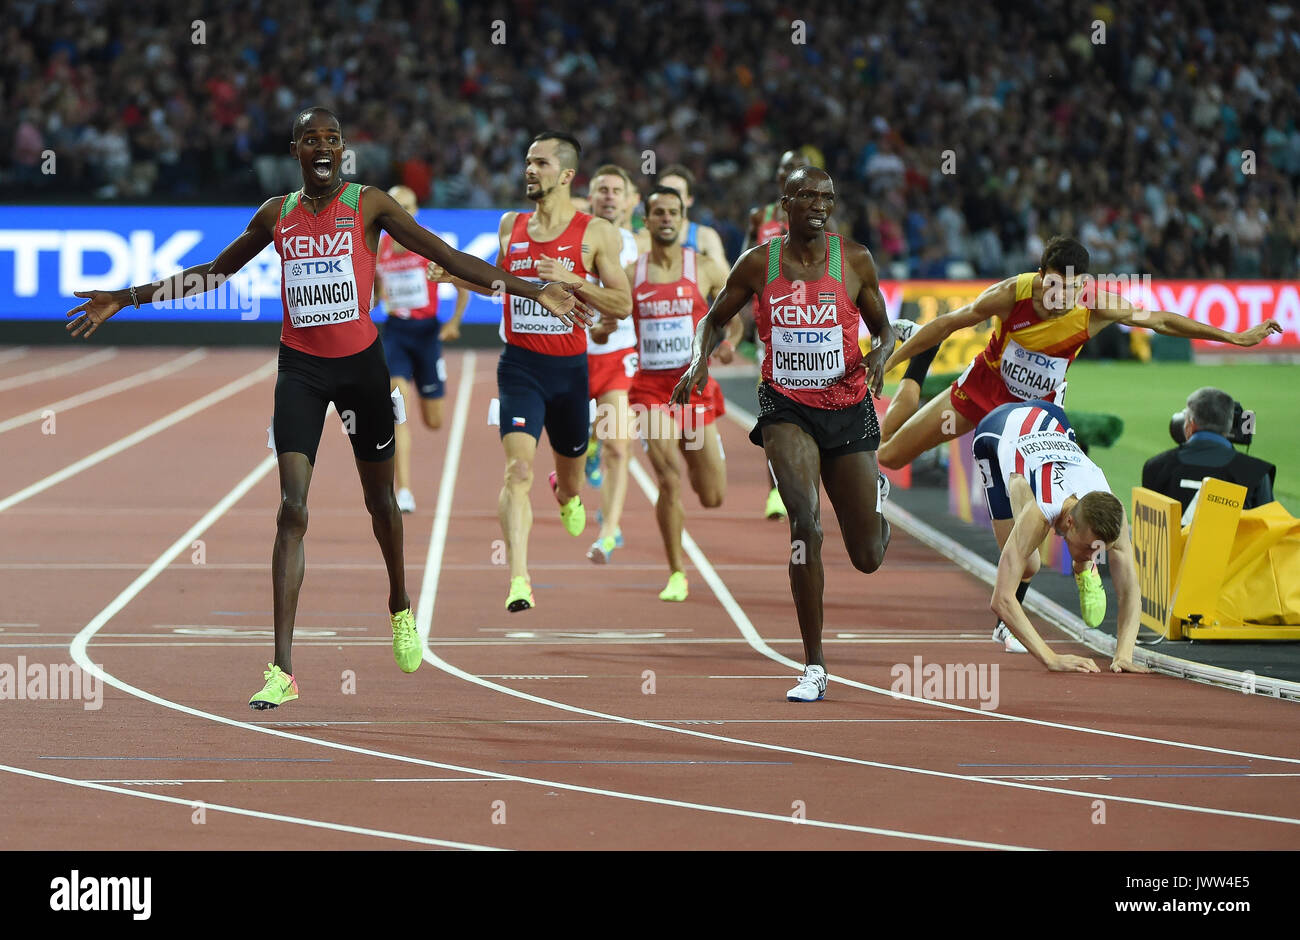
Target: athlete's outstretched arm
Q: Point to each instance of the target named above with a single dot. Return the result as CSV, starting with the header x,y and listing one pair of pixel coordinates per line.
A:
x,y
872,307
1030,528
996,301
195,280
612,295
1123,571
397,222
742,284
1112,308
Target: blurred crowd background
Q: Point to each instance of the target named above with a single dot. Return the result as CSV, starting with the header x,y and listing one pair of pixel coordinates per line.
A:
x,y
960,135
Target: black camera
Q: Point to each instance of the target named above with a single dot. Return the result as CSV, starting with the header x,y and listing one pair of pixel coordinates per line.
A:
x,y
1237,434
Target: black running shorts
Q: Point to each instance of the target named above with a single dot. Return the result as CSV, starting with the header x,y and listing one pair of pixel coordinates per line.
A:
x,y
357,384
836,432
538,391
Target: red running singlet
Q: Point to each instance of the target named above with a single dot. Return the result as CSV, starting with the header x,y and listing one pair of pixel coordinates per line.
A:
x,y
327,276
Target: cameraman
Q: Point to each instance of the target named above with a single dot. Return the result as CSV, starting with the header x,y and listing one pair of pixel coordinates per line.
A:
x,y
1205,433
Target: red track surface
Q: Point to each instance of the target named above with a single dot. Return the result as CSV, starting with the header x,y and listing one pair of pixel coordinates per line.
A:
x,y
558,745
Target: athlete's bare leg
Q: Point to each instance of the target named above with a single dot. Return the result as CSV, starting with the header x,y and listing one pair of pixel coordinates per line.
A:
x,y
288,558
850,483
935,423
706,465
614,458
659,431
515,508
431,411
569,474
901,407
402,437
386,521
796,461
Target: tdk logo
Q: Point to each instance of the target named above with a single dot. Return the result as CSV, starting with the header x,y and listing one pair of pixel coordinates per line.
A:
x,y
807,337
328,266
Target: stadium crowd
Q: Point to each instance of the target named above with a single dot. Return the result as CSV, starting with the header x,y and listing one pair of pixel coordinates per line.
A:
x,y
1164,134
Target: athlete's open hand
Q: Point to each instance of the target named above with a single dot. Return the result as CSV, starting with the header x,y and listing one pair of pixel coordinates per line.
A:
x,y
1255,335
553,269
693,378
1127,665
99,306
560,302
1069,663
874,363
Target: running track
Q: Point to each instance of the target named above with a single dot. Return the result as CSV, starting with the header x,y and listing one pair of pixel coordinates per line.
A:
x,y
137,537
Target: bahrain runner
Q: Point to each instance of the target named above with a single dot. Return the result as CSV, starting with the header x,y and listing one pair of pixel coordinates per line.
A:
x,y
413,337
816,419
1037,480
671,285
326,235
1044,320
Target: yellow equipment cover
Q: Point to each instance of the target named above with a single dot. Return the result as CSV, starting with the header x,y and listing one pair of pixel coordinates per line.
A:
x,y
1262,581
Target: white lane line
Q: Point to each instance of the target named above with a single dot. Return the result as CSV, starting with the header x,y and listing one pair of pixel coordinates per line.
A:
x,y
103,391
424,622
16,353
690,545
752,636
253,813
78,650
59,370
146,432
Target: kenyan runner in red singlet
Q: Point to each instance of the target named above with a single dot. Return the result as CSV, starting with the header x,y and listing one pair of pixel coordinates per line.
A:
x,y
326,235
815,417
670,285
766,223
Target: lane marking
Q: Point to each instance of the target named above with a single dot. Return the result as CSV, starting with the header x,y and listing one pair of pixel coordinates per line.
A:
x,y
78,650
181,781
16,352
104,391
146,432
755,640
424,619
252,813
58,370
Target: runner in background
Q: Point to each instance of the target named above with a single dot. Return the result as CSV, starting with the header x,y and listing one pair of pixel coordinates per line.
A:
x,y
611,363
413,337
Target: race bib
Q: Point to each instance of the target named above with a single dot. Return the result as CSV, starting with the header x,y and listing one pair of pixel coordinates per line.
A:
x,y
1040,447
1030,374
807,357
320,291
528,316
407,289
666,342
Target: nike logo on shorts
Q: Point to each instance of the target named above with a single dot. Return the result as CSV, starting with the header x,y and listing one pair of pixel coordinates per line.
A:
x,y
385,443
